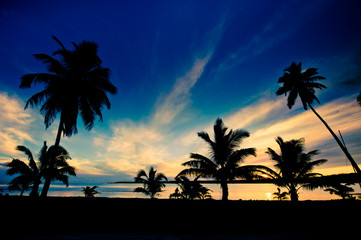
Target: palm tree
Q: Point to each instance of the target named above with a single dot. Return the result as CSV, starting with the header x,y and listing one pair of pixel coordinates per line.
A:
x,y
29,173
301,83
90,191
76,83
294,167
190,189
152,182
54,166
342,190
280,195
224,158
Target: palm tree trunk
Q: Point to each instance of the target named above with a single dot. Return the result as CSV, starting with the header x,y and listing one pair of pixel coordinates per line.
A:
x,y
60,130
34,191
46,186
293,193
224,187
348,155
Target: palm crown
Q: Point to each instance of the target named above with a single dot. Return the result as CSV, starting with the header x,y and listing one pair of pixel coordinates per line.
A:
x,y
75,83
300,83
225,157
152,182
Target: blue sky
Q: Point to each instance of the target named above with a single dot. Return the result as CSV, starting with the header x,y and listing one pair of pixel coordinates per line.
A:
x,y
178,66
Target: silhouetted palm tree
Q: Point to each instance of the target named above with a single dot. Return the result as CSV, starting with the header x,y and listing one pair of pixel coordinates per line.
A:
x,y
76,83
54,166
90,191
152,182
297,82
223,164
190,189
342,190
280,195
294,167
30,175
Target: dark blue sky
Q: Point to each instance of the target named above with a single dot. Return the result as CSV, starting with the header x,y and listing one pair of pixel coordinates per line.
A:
x,y
192,61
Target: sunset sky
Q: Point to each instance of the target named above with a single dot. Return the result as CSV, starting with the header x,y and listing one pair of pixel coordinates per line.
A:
x,y
178,66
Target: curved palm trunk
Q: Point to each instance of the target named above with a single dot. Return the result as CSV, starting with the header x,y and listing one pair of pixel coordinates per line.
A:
x,y
34,191
348,155
224,187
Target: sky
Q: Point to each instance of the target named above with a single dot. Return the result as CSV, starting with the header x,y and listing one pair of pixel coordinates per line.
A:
x,y
178,66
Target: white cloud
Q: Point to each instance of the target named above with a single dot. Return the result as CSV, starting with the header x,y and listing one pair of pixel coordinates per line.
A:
x,y
15,124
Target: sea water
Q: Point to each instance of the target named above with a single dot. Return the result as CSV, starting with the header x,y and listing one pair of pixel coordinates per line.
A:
x,y
125,190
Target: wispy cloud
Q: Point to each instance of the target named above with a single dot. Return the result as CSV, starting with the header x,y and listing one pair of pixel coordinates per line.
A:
x,y
176,101
15,124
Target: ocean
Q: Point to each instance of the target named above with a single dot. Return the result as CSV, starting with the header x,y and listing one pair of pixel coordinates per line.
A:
x,y
125,190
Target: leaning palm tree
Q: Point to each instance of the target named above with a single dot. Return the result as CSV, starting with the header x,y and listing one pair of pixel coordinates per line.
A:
x,y
224,158
152,182
302,83
76,83
54,166
294,167
29,173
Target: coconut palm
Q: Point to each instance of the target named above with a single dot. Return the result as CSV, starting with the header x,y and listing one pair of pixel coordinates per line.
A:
x,y
190,189
342,190
54,166
294,167
280,195
297,82
152,182
30,176
90,191
224,158
76,83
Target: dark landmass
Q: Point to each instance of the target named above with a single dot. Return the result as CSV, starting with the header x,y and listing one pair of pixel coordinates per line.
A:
x,y
24,217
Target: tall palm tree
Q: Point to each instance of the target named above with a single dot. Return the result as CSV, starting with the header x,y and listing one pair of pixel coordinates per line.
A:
x,y
224,158
190,189
152,182
302,83
76,83
29,173
54,166
294,167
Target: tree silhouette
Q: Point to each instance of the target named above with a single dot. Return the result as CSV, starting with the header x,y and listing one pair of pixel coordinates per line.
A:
x,y
152,182
190,189
297,82
280,195
294,167
359,99
76,83
29,177
54,166
223,162
90,191
342,190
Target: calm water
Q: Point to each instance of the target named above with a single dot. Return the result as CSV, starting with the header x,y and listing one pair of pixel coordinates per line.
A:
x,y
236,191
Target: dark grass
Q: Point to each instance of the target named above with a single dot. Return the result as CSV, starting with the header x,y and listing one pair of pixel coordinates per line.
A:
x,y
27,217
